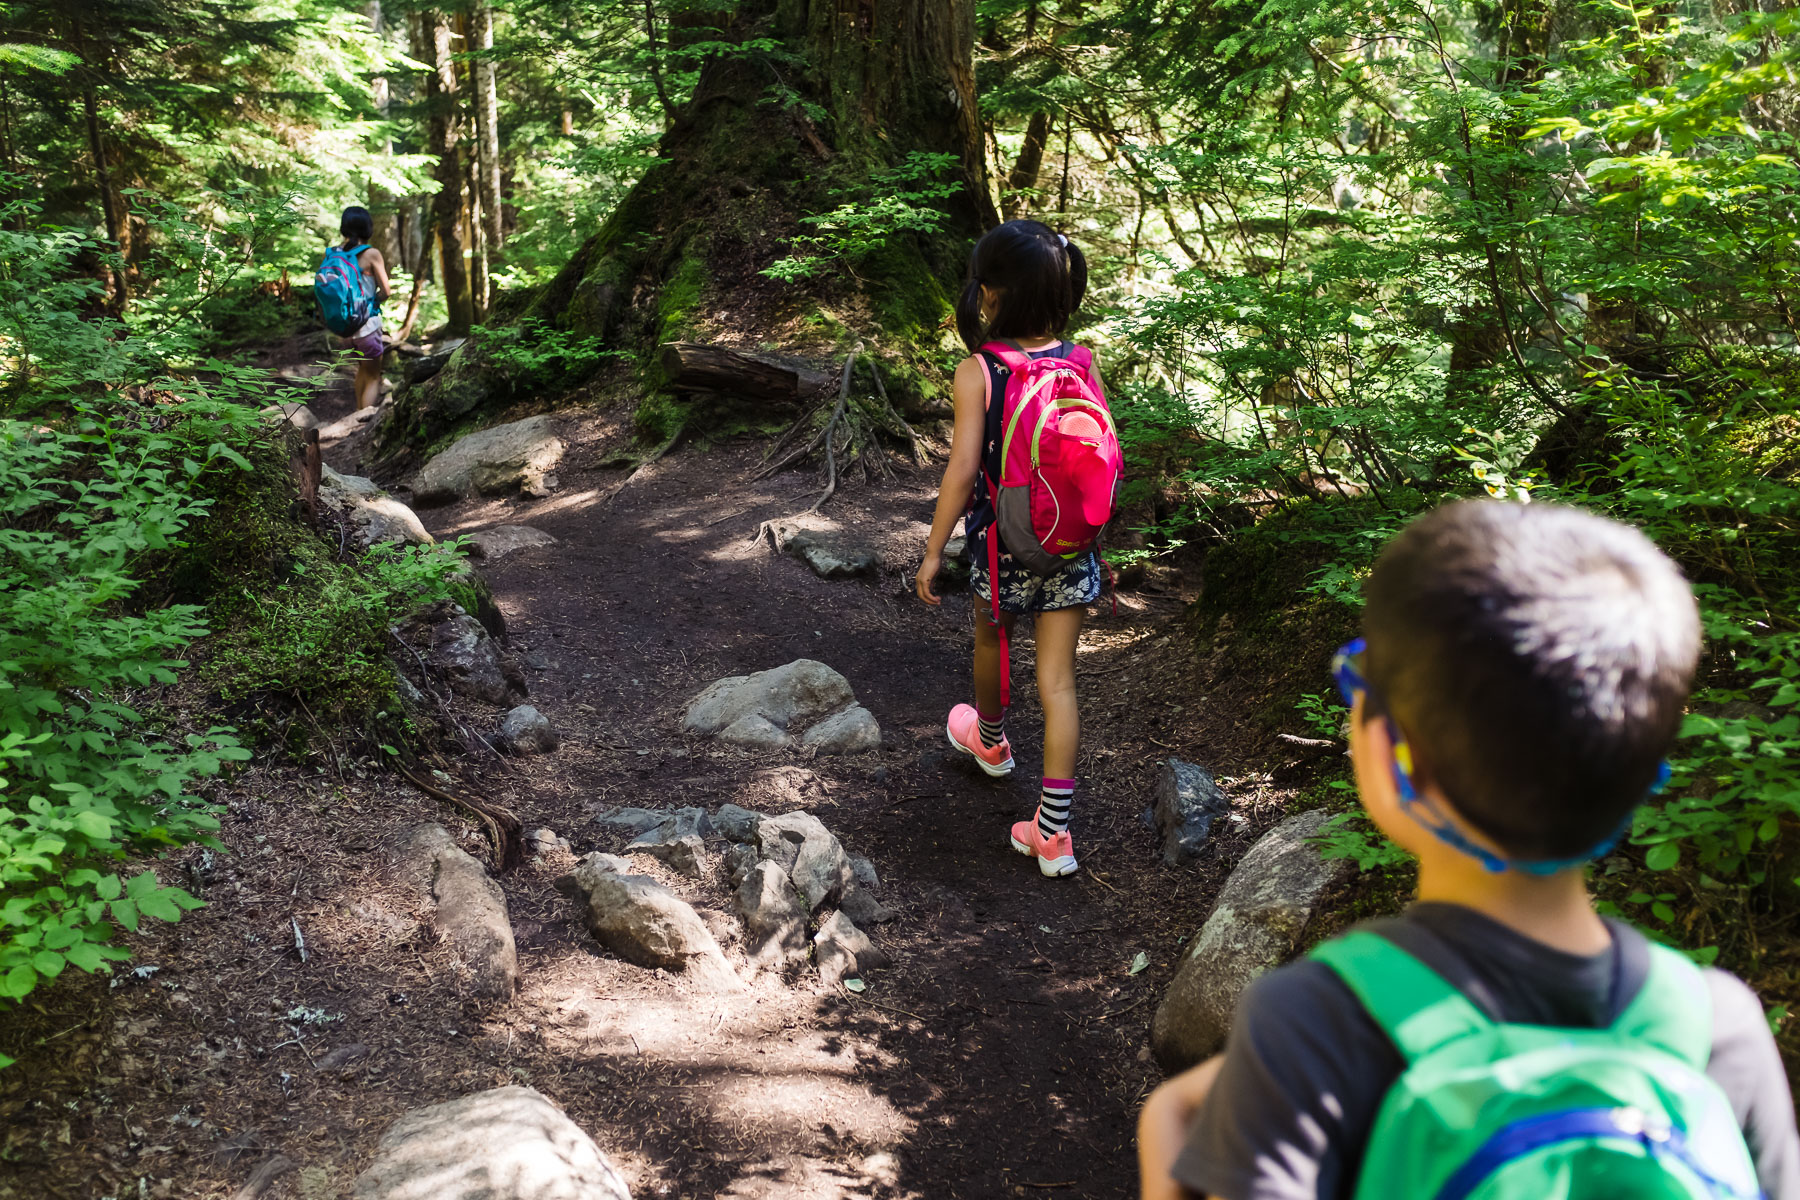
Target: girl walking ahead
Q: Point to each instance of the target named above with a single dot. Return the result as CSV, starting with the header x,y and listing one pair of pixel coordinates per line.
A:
x,y
1025,281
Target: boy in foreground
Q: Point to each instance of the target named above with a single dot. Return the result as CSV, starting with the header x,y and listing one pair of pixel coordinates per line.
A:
x,y
1523,672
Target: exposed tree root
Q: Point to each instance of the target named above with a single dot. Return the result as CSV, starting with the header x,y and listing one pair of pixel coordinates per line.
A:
x,y
849,432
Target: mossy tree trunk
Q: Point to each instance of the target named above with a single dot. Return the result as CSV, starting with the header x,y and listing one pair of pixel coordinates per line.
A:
x,y
766,139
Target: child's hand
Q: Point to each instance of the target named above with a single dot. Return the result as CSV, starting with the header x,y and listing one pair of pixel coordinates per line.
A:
x,y
928,572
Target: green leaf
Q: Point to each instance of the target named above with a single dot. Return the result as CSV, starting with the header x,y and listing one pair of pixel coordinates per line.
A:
x,y
159,905
109,888
854,984
1139,963
94,826
142,884
18,982
125,912
48,963
1662,856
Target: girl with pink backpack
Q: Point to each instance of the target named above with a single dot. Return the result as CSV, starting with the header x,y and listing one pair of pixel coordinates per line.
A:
x,y
1034,469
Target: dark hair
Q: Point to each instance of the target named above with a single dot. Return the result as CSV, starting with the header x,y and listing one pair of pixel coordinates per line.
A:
x,y
1539,659
1040,276
357,223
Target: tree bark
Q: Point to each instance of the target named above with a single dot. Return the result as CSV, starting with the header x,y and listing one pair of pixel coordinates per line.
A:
x,y
487,124
1030,163
445,131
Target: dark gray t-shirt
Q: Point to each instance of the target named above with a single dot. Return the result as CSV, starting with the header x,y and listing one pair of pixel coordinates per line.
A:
x,y
1306,1069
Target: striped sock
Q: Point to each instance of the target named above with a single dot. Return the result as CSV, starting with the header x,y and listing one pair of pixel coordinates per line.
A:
x,y
990,730
1053,806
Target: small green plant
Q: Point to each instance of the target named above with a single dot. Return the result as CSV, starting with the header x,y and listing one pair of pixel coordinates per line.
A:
x,y
1350,835
1323,714
903,199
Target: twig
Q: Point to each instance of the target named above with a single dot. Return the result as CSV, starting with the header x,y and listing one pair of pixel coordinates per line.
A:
x,y
1064,1184
901,1012
264,1177
412,305
1294,739
1119,1012
1101,880
299,938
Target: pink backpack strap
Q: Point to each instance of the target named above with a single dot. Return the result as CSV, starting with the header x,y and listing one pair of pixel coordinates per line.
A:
x,y
1014,358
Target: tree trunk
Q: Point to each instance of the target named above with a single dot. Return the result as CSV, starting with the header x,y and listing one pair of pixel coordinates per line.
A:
x,y
445,131
860,88
1030,163
487,124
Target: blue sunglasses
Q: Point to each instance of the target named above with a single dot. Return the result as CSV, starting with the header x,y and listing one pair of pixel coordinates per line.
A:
x,y
1346,670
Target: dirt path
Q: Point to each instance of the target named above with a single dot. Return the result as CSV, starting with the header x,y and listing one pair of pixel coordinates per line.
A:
x,y
1004,1052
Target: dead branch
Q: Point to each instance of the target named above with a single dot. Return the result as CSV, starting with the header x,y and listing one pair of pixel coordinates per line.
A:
x,y
837,415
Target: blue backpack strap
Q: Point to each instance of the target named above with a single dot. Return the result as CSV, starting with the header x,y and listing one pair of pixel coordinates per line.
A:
x,y
1414,1005
1673,1011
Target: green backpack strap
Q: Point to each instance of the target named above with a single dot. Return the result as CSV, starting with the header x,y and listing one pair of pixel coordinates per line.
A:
x,y
1414,1005
1673,1010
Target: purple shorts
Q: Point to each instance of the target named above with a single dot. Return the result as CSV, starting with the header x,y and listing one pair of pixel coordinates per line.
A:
x,y
370,346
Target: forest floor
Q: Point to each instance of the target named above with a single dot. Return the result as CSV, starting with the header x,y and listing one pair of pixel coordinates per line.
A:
x,y
1005,1052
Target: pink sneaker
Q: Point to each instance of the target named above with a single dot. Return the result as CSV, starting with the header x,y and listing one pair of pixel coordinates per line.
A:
x,y
1055,855
964,731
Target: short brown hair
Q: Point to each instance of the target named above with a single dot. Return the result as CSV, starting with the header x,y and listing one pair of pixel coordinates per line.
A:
x,y
1539,658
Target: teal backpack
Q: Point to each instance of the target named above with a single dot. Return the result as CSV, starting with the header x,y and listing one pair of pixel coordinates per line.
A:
x,y
1488,1111
343,298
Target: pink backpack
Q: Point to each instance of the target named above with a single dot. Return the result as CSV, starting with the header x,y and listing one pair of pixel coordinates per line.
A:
x,y
1060,465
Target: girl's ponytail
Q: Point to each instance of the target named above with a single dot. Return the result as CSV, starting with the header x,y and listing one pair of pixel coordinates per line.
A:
x,y
968,315
1077,272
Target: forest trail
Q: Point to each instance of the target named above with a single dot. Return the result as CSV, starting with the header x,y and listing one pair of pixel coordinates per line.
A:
x,y
1004,1052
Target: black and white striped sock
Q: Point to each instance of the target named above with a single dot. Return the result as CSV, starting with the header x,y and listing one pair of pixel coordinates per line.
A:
x,y
1053,806
990,730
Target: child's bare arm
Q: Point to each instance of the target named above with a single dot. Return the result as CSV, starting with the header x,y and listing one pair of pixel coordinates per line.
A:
x,y
378,269
959,473
1162,1128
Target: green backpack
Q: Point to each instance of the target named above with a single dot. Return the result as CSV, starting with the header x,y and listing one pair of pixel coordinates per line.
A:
x,y
1488,1111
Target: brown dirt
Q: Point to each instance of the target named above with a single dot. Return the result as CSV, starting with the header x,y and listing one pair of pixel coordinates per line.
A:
x,y
1004,1053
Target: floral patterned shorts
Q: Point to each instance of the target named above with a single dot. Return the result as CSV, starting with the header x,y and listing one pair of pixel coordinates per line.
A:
x,y
1023,591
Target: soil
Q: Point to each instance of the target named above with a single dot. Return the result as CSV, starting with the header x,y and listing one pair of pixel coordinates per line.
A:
x,y
1004,1053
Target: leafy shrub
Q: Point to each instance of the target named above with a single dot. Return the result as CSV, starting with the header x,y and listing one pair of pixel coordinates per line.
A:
x,y
902,199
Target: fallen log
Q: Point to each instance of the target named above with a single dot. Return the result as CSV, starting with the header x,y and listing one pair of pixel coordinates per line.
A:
x,y
690,366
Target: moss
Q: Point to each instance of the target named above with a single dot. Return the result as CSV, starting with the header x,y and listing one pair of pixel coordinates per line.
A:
x,y
678,301
298,648
660,418
910,301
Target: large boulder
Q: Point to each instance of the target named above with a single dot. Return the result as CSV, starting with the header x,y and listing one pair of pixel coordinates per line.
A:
x,y
517,456
852,731
1186,804
773,917
467,909
466,655
1256,923
294,413
374,516
508,1143
643,922
843,950
765,710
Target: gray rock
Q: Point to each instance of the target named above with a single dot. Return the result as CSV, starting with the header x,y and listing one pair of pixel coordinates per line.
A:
x,y
756,732
426,365
864,908
861,868
798,692
592,864
685,855
341,1057
813,858
468,909
671,826
635,819
543,841
517,456
375,517
852,731
643,922
509,1143
738,861
1186,804
737,824
491,545
1257,923
525,730
954,574
773,918
831,554
843,950
348,424
297,415
468,658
